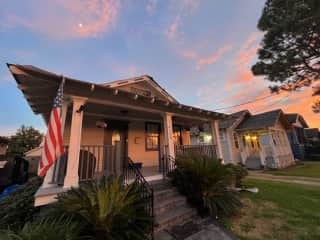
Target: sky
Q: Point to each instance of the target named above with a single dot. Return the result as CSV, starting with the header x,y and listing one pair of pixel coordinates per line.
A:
x,y
199,51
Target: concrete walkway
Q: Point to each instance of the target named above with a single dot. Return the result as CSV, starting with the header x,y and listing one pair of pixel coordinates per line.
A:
x,y
289,179
198,229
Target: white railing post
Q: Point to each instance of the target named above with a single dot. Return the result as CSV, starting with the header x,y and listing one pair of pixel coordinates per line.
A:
x,y
72,177
168,134
216,139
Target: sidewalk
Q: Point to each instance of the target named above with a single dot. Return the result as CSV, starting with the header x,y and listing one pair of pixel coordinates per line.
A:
x,y
290,179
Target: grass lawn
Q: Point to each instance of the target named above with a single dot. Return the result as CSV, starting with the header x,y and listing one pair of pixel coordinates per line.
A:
x,y
282,211
309,169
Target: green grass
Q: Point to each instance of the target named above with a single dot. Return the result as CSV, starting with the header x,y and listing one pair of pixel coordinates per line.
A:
x,y
309,169
279,211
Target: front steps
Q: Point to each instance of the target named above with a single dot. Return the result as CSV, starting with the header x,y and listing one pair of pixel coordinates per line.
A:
x,y
170,207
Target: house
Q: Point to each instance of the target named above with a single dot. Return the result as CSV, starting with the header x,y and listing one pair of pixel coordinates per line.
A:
x,y
107,126
256,140
33,157
296,134
312,135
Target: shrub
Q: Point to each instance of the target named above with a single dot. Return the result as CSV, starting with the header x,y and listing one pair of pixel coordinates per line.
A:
x,y
239,172
49,229
18,207
109,209
206,183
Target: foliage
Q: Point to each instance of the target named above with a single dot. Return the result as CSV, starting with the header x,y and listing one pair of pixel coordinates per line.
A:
x,y
18,207
4,140
206,183
239,172
49,229
316,106
290,49
109,209
25,139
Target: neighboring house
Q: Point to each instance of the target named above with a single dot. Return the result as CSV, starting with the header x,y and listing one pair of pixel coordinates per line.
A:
x,y
296,134
33,157
312,135
106,125
256,140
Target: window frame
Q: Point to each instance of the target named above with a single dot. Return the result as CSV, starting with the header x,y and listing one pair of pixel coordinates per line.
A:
x,y
148,135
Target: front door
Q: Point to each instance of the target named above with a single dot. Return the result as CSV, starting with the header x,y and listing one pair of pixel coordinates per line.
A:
x,y
116,135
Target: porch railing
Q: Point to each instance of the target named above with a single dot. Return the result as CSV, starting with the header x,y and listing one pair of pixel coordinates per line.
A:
x,y
167,162
206,149
94,161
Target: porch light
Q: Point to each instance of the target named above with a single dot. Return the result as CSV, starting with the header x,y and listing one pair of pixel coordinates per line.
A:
x,y
254,137
207,138
247,137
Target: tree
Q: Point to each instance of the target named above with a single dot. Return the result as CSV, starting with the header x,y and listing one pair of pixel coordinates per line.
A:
x,y
316,106
25,139
290,49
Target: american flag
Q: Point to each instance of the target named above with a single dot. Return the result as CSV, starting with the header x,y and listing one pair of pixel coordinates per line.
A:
x,y
53,144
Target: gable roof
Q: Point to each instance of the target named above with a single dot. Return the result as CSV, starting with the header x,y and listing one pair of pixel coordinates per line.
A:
x,y
145,78
235,117
264,120
294,117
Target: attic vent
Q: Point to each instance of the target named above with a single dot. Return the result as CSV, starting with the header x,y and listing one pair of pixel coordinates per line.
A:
x,y
141,92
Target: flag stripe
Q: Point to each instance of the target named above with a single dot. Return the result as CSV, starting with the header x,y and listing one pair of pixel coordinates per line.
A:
x,y
53,142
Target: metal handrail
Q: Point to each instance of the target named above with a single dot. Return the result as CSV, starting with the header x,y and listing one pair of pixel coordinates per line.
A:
x,y
132,174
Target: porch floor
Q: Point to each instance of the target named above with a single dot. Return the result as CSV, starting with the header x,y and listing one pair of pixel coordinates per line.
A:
x,y
151,173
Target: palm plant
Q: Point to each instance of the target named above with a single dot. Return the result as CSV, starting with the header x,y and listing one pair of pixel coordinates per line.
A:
x,y
49,229
109,209
206,183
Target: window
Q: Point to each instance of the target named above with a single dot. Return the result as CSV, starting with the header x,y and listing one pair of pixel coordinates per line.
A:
x,y
236,141
177,138
152,136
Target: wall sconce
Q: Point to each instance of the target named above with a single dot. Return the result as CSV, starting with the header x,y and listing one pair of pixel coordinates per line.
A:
x,y
247,137
254,137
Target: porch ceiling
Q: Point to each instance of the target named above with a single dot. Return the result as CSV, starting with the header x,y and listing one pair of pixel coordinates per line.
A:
x,y
40,87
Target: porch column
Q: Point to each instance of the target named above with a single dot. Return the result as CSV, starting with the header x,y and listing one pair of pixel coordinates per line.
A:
x,y
72,178
168,133
216,138
47,181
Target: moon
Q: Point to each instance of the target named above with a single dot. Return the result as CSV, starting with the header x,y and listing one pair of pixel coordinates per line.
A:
x,y
80,25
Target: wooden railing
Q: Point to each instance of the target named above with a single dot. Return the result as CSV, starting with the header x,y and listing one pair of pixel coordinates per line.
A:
x,y
94,161
209,150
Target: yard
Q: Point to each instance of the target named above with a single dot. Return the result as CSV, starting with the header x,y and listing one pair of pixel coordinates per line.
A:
x,y
283,211
308,169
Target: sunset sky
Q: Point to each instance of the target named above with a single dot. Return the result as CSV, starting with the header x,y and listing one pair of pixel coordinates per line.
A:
x,y
200,51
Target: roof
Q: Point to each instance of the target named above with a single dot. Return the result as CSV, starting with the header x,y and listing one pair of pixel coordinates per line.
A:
x,y
294,117
234,117
40,87
264,120
144,78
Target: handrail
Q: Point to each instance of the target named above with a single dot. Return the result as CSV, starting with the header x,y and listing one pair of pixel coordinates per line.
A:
x,y
168,165
133,174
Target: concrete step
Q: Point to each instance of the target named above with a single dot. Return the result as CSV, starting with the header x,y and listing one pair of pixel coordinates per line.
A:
x,y
174,217
165,194
169,204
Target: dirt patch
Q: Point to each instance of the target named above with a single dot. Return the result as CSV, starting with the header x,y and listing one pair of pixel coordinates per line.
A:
x,y
260,221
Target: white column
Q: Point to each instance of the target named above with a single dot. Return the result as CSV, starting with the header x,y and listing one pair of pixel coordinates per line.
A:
x,y
216,138
72,178
168,133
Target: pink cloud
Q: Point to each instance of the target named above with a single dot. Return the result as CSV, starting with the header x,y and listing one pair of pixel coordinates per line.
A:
x,y
171,32
214,57
151,6
68,19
